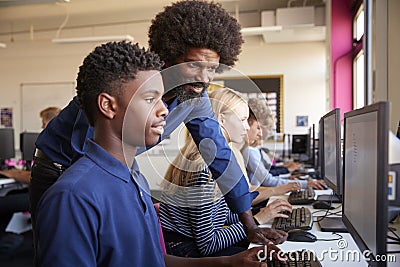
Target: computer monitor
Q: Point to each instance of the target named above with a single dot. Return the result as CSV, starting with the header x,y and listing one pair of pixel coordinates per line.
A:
x,y
299,143
365,170
27,144
309,143
7,148
332,159
320,152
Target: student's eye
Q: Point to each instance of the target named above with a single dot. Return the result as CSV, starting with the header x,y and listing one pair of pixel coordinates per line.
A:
x,y
149,100
212,68
192,64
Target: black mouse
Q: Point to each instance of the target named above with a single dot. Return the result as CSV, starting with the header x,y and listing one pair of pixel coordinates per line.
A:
x,y
322,205
298,235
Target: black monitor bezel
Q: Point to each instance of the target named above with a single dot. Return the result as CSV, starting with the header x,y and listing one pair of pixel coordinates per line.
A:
x,y
320,159
303,136
336,186
9,143
313,146
309,143
382,171
26,155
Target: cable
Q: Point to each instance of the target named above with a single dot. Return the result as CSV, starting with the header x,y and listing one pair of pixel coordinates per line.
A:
x,y
339,213
393,231
327,211
393,252
393,243
63,23
334,239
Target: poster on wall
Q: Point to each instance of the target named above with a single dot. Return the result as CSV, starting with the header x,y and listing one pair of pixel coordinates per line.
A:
x,y
6,117
301,121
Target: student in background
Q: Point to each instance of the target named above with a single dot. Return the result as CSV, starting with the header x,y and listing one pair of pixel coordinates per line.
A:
x,y
24,176
196,39
261,122
18,200
195,217
98,213
48,114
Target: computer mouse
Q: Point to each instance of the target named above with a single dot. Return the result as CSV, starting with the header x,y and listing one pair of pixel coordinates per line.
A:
x,y
322,205
298,235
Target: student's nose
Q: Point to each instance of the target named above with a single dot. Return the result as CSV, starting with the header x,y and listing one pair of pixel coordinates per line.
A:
x,y
205,75
162,110
246,125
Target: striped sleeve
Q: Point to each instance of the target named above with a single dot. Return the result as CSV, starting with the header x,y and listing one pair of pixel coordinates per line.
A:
x,y
204,221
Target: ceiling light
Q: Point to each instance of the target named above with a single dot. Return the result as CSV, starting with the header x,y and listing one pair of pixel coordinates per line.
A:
x,y
93,39
259,30
3,45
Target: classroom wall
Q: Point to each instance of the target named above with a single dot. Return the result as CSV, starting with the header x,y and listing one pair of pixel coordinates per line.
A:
x,y
39,61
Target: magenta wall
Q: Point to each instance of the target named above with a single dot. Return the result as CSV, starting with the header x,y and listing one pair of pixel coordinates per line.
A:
x,y
341,56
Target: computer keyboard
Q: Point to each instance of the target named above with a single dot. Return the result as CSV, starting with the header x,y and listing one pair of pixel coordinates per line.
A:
x,y
302,197
300,218
303,258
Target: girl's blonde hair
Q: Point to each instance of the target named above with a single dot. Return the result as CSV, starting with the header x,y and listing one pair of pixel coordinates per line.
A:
x,y
260,112
189,161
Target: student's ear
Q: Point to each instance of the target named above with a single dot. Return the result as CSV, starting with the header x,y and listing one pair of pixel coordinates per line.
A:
x,y
107,105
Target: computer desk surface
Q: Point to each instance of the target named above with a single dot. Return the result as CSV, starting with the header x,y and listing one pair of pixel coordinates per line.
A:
x,y
342,252
9,184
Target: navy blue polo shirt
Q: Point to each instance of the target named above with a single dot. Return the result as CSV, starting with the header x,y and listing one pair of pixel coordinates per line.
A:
x,y
98,214
64,141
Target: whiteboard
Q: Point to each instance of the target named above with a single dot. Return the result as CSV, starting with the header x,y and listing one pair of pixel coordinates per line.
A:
x,y
37,96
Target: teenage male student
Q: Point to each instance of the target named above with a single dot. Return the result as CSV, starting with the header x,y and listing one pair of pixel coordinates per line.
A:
x,y
195,39
97,213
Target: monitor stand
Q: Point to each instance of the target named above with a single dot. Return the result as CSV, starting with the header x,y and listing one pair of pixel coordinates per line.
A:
x,y
332,224
329,198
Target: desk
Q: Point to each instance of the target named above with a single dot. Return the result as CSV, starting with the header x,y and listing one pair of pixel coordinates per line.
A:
x,y
9,184
343,252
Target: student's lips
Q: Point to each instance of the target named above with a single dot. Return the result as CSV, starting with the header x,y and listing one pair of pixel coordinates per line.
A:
x,y
195,89
158,128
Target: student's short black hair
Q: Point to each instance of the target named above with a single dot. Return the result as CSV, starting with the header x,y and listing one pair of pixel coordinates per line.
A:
x,y
107,68
195,24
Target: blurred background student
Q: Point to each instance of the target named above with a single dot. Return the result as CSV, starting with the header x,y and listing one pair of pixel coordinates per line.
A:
x,y
261,122
18,201
24,176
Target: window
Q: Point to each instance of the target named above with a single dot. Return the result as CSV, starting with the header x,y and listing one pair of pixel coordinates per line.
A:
x,y
359,88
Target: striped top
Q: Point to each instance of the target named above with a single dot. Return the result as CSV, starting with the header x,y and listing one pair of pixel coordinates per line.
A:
x,y
199,211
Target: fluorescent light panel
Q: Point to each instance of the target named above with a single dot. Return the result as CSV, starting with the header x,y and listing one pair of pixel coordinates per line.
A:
x,y
260,30
3,45
92,39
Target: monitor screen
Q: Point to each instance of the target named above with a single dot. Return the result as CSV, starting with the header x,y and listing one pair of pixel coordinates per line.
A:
x,y
332,151
299,143
365,176
7,149
27,144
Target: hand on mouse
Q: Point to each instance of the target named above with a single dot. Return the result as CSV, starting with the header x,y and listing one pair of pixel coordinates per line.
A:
x,y
273,210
